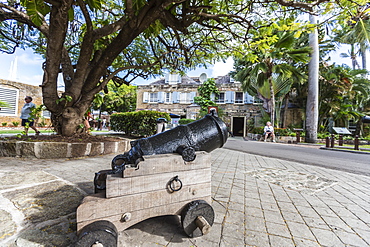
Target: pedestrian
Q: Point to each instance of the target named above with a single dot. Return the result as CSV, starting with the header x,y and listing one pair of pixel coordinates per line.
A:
x,y
269,131
27,120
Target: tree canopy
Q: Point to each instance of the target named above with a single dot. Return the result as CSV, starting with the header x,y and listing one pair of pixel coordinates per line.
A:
x,y
90,42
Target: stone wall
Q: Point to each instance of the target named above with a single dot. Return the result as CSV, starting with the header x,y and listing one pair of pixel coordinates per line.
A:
x,y
23,91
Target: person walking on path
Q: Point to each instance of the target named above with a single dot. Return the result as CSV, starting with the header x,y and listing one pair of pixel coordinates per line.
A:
x,y
269,131
27,121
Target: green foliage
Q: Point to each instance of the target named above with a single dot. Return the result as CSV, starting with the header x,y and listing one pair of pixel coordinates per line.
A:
x,y
205,91
4,124
141,123
269,66
15,123
120,98
3,104
65,98
36,112
186,121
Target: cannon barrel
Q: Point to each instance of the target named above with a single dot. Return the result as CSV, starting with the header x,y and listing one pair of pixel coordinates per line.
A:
x,y
205,134
365,119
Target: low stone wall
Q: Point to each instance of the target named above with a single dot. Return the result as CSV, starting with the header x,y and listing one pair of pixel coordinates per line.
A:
x,y
54,150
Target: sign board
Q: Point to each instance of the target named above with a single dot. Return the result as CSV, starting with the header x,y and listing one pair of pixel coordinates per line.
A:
x,y
342,130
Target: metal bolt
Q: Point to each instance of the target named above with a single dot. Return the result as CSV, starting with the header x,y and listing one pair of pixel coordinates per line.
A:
x,y
126,217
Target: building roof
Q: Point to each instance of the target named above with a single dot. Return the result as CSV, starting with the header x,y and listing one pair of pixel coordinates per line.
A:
x,y
185,80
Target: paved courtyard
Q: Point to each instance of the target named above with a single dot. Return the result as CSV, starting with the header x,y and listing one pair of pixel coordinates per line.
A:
x,y
258,201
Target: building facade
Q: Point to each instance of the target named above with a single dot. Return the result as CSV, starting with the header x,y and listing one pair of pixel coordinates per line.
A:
x,y
175,94
13,93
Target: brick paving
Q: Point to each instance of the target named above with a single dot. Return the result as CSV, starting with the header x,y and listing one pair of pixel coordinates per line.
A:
x,y
251,211
258,201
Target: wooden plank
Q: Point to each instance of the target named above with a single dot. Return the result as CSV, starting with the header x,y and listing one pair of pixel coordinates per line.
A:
x,y
125,186
140,215
95,207
157,164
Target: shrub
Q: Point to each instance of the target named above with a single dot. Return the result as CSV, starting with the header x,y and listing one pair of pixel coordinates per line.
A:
x,y
4,124
15,124
185,121
140,123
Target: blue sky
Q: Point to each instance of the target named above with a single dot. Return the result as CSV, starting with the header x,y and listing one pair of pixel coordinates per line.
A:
x,y
25,67
28,67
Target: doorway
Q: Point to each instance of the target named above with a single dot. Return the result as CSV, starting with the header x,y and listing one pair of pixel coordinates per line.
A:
x,y
238,126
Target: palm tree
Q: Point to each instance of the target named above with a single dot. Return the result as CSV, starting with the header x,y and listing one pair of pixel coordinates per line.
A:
x,y
356,33
343,95
272,69
312,105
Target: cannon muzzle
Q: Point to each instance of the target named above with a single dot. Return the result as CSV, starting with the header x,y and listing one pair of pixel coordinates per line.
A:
x,y
365,119
205,134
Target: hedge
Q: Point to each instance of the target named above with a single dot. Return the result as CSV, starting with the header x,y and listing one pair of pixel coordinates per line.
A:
x,y
185,121
140,123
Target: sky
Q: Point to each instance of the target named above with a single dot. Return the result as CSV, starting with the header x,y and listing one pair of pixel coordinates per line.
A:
x,y
25,67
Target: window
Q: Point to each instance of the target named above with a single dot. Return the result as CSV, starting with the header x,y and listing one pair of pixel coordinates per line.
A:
x,y
153,97
167,97
9,96
239,98
220,98
184,98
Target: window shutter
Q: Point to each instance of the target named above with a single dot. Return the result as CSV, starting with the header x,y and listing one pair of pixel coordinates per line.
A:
x,y
161,97
175,97
229,95
192,95
145,97
9,96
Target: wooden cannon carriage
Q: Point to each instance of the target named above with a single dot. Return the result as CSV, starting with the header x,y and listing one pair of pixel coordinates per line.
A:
x,y
168,173
162,185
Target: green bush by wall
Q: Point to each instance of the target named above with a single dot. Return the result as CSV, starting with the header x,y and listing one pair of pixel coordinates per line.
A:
x,y
140,123
185,121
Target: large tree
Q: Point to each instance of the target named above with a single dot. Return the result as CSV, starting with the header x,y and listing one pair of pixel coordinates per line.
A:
x,y
91,42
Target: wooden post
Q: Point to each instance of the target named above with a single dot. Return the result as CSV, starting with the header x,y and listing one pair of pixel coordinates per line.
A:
x,y
356,143
340,140
327,143
332,141
298,135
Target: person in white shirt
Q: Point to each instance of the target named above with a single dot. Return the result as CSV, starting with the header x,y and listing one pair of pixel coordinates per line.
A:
x,y
27,122
269,131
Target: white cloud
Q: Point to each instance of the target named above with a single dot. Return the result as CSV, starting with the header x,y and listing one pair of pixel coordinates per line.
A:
x,y
27,58
220,68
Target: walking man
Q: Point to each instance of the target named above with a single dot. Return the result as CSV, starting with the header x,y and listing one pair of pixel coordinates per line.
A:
x,y
25,115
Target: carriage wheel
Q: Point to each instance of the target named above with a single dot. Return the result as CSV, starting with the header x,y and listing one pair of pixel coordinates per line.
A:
x,y
98,234
197,218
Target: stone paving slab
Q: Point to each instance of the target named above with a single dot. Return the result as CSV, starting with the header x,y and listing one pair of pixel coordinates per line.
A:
x,y
258,201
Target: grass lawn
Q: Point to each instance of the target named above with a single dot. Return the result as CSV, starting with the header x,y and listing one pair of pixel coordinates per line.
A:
x,y
30,131
19,131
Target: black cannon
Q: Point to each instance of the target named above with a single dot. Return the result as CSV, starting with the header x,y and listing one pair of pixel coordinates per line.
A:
x,y
205,134
365,119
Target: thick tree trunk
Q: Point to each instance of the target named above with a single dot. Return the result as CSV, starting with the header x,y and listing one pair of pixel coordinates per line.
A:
x,y
272,102
363,56
312,107
286,108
